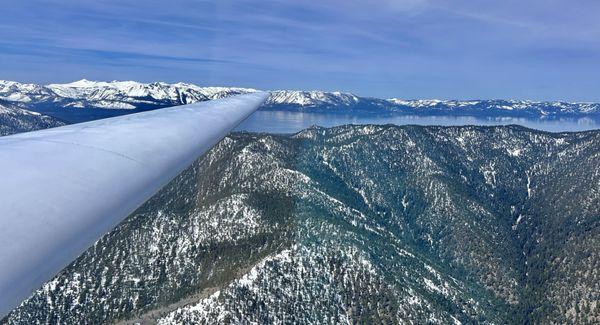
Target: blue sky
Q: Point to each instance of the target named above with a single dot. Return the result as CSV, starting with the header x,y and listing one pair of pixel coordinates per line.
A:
x,y
527,49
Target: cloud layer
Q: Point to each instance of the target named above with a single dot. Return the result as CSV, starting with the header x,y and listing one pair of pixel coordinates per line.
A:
x,y
536,49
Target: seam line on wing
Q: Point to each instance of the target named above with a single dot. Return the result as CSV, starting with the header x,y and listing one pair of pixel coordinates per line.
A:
x,y
91,147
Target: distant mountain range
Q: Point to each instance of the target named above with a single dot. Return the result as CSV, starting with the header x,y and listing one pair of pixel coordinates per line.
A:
x,y
354,224
318,101
112,95
127,96
87,100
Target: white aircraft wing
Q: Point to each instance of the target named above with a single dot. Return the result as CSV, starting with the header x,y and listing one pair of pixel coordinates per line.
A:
x,y
63,188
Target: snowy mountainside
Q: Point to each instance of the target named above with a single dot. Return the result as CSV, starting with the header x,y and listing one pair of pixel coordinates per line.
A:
x,y
312,98
11,91
85,100
361,224
132,94
111,95
14,119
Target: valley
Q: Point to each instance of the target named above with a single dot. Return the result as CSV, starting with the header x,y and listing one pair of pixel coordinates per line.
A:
x,y
355,224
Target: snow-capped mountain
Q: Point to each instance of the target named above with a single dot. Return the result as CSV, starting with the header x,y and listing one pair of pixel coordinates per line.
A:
x,y
312,98
323,102
131,95
111,95
318,101
86,100
17,92
507,107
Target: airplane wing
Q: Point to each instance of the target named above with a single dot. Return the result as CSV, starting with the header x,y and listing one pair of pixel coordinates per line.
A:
x,y
61,189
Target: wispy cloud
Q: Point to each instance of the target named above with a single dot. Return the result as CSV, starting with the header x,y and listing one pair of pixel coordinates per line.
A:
x,y
416,48
92,54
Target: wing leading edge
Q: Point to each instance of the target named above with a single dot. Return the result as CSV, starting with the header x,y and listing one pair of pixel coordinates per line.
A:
x,y
63,188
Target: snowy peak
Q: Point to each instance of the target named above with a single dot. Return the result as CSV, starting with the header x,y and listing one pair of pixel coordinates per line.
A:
x,y
133,94
113,95
84,83
12,91
312,98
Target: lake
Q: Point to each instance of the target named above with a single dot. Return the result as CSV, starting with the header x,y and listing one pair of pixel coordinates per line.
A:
x,y
292,122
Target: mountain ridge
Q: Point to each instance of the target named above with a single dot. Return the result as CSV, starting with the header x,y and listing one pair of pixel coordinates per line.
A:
x,y
365,223
132,95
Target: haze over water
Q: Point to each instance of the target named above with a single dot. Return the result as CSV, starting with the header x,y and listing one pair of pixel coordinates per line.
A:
x,y
292,122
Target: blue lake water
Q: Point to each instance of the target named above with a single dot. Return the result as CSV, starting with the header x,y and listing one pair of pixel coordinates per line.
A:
x,y
292,122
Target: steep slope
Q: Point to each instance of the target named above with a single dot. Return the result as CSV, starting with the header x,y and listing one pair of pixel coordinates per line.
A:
x,y
14,119
172,247
358,224
559,230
